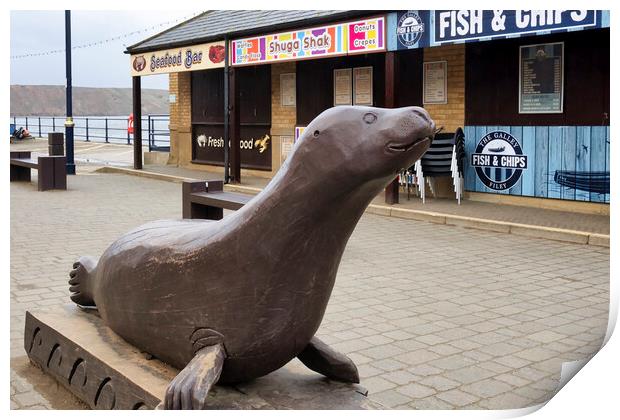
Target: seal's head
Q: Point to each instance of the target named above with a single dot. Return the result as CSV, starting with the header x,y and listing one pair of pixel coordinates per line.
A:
x,y
364,143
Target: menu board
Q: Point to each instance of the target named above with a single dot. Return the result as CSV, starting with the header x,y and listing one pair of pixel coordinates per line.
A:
x,y
435,82
362,86
541,78
288,89
342,87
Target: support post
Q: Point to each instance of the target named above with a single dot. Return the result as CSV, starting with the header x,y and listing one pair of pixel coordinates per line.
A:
x,y
235,127
226,113
391,191
137,125
69,124
148,120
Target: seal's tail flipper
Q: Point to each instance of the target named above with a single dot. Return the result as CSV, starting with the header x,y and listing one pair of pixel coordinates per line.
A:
x,y
189,389
80,281
321,358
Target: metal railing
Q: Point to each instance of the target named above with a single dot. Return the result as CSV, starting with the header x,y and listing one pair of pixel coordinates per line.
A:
x,y
105,129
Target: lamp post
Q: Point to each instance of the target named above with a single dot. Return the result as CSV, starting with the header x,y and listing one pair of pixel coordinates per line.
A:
x,y
69,120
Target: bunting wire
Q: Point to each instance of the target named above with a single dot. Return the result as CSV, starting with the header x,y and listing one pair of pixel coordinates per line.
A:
x,y
107,40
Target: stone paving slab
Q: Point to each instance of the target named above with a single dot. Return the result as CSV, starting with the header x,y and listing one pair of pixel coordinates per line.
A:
x,y
435,316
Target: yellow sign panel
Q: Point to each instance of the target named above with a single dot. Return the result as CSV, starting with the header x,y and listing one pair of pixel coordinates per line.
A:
x,y
195,57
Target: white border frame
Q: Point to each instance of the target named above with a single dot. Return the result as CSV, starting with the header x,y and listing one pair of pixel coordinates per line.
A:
x,y
294,104
445,83
354,90
350,72
561,111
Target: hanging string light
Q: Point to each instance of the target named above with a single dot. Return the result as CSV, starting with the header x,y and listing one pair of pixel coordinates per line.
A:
x,y
107,40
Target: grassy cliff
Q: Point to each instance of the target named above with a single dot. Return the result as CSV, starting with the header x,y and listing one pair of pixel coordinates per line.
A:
x,y
46,100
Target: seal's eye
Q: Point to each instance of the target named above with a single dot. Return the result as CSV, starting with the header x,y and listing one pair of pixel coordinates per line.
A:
x,y
370,118
316,133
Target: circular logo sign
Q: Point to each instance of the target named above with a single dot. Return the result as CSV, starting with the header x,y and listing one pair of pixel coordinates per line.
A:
x,y
499,160
410,29
139,63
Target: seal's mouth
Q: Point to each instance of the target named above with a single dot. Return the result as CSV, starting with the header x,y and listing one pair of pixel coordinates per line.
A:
x,y
401,148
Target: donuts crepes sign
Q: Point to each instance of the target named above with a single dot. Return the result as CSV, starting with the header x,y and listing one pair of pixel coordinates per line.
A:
x,y
195,57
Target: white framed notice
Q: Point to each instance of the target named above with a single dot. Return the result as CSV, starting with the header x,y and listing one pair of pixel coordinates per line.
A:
x,y
435,82
342,87
541,78
288,89
362,86
286,146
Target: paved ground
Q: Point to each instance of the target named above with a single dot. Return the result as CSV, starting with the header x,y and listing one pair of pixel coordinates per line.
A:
x,y
593,223
90,155
434,316
86,153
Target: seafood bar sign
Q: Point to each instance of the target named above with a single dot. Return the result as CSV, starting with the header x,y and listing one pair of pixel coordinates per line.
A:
x,y
429,28
363,36
195,57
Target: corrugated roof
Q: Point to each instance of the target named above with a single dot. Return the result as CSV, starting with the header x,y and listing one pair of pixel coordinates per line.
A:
x,y
213,25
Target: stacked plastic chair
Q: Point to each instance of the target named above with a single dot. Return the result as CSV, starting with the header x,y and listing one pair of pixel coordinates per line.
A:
x,y
444,157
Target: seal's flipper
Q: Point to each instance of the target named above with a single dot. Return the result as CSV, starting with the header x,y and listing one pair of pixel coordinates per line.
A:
x,y
321,358
80,281
189,389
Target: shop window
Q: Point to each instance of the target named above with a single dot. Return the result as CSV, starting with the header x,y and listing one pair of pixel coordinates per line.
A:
x,y
492,81
315,83
208,97
255,116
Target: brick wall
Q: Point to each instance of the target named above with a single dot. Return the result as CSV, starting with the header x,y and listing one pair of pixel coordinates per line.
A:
x,y
180,118
452,114
283,118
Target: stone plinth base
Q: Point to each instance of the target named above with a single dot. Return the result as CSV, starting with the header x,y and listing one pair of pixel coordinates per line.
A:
x,y
80,352
156,158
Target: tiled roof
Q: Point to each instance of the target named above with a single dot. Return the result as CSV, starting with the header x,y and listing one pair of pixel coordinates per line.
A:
x,y
213,25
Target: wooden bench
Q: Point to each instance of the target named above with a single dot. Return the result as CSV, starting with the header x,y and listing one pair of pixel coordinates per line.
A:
x,y
52,170
207,200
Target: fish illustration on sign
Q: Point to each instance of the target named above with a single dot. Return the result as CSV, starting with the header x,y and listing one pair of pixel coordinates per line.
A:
x,y
499,149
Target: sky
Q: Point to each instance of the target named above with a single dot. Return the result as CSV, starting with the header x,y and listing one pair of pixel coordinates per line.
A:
x,y
97,66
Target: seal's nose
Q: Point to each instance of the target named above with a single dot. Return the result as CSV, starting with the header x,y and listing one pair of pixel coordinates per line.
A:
x,y
423,119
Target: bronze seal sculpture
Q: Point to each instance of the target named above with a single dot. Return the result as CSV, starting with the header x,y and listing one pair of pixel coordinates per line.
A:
x,y
238,298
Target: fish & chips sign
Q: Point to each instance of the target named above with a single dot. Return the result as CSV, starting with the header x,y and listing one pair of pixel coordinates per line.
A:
x,y
499,160
430,28
195,57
